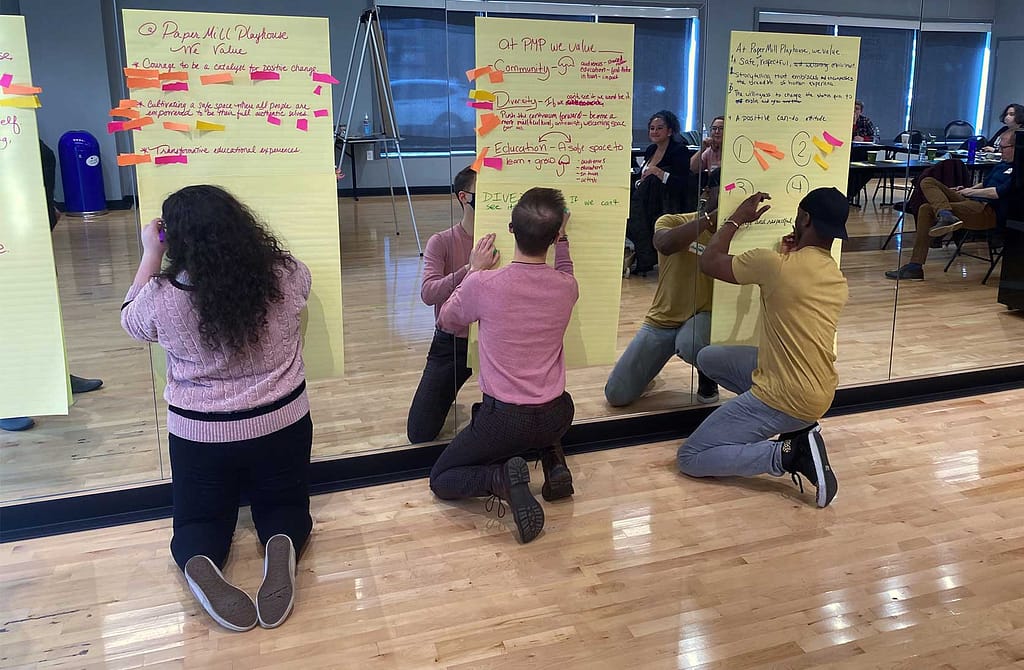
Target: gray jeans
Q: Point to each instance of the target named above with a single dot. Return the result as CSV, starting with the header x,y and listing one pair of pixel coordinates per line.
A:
x,y
649,351
734,440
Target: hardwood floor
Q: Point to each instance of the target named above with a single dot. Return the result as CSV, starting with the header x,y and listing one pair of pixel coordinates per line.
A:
x,y
917,564
114,437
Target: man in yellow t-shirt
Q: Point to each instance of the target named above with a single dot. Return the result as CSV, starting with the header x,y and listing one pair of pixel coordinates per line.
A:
x,y
679,320
787,382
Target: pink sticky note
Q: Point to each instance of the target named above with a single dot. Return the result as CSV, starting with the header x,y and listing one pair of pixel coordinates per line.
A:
x,y
832,140
323,78
302,124
174,158
316,91
729,187
494,163
479,105
320,112
6,80
175,86
115,127
273,120
264,75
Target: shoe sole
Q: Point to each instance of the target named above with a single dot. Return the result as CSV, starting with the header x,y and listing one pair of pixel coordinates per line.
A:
x,y
822,470
526,511
276,596
939,231
228,605
707,399
558,484
888,276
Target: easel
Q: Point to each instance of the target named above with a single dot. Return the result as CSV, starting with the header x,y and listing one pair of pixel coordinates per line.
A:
x,y
369,32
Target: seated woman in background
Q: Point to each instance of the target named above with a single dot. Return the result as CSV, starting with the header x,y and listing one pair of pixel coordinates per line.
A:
x,y
710,156
661,188
1012,118
226,309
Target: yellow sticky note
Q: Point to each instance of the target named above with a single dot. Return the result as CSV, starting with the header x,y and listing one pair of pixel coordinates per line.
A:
x,y
206,125
482,95
820,161
23,101
825,147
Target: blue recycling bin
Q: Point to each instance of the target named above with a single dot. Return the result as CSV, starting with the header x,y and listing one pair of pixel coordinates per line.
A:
x,y
81,174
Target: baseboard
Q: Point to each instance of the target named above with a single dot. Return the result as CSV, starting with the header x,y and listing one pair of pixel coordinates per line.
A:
x,y
153,501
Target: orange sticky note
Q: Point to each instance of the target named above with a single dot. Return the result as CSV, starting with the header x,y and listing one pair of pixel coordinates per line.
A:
x,y
134,83
488,122
173,76
478,72
137,123
128,103
133,159
141,72
206,125
182,127
760,160
127,113
222,78
21,89
765,146
777,155
496,76
478,163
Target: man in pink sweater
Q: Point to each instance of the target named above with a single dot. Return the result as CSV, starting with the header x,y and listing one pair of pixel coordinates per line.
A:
x,y
523,310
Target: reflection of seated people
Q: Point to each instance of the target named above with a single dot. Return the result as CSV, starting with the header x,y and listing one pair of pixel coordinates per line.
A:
x,y
445,264
78,384
523,310
1012,118
710,155
679,320
863,129
978,207
661,188
787,382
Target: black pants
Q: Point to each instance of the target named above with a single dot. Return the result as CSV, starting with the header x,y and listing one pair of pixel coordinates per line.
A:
x,y
497,432
207,479
443,376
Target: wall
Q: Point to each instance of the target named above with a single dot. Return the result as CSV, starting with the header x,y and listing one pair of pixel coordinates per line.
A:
x,y
1007,50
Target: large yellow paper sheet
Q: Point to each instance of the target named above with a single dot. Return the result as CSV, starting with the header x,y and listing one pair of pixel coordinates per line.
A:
x,y
267,137
33,365
565,106
788,126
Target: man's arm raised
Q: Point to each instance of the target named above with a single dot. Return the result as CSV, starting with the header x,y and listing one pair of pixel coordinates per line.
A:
x,y
717,261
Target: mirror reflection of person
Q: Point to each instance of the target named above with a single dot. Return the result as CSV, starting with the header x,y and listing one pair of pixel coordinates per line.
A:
x,y
786,383
710,155
523,310
661,188
445,265
227,308
863,128
1013,119
679,320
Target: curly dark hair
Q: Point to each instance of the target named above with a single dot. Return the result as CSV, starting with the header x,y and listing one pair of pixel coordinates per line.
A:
x,y
231,261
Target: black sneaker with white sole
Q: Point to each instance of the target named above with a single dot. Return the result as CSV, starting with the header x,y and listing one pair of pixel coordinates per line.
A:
x,y
707,389
276,596
804,454
229,605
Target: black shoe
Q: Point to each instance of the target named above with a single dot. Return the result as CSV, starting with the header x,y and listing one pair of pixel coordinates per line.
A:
x,y
512,484
707,389
557,478
804,454
908,271
83,385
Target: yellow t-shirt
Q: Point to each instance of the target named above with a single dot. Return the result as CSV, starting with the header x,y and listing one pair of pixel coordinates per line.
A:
x,y
683,290
802,294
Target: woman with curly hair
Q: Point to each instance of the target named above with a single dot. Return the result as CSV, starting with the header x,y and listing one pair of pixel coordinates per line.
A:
x,y
226,308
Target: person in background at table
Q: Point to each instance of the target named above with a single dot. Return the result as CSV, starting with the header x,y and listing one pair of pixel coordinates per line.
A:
x,y
1013,119
710,155
661,188
679,320
981,207
445,265
227,309
523,310
863,129
786,383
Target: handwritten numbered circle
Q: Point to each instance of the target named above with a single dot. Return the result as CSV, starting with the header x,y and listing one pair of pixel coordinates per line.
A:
x,y
147,28
745,187
798,185
743,149
802,151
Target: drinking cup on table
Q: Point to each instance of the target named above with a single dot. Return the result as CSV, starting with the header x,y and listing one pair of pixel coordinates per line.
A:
x,y
904,138
872,156
931,153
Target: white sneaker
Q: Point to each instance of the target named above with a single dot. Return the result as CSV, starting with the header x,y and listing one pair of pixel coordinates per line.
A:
x,y
276,596
227,604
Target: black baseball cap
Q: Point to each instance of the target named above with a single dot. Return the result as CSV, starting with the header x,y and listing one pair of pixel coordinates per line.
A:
x,y
829,210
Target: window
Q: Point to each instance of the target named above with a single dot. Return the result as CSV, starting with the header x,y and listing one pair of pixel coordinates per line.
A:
x,y
430,45
950,79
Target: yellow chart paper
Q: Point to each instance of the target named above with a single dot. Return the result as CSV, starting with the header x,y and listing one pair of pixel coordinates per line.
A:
x,y
565,102
256,133
33,365
788,126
